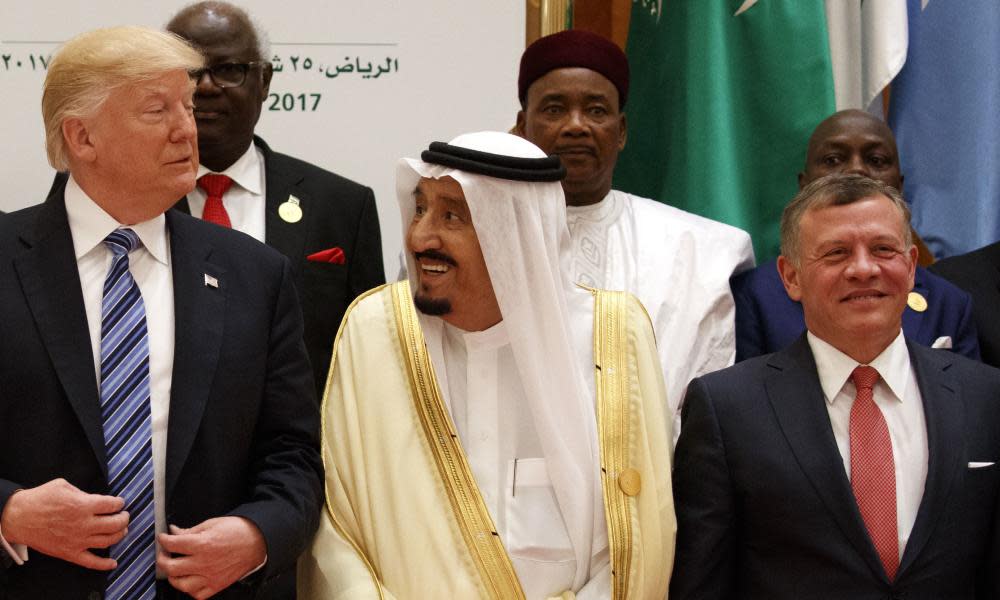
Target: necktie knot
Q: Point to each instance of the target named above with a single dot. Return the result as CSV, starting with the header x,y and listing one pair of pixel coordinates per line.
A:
x,y
122,241
864,377
215,185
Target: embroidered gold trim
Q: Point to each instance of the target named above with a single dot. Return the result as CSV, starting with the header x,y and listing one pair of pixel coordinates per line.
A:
x,y
474,521
612,380
376,580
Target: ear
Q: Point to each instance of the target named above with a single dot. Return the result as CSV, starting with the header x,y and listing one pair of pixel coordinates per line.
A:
x,y
914,253
802,177
790,278
78,140
622,132
518,129
266,72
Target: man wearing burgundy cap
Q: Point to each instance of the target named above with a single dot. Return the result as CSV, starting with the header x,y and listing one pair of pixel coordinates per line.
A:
x,y
325,224
573,86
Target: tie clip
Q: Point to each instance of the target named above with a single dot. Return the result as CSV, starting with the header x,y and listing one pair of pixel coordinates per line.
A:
x,y
211,282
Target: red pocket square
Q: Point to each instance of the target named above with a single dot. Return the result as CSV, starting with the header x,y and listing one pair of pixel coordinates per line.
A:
x,y
334,255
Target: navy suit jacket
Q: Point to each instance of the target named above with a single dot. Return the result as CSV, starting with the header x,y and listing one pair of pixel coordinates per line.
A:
x,y
767,320
243,433
765,509
978,273
336,212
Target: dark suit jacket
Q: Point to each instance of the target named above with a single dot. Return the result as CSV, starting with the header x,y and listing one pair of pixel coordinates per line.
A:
x,y
767,320
243,432
336,212
978,273
765,509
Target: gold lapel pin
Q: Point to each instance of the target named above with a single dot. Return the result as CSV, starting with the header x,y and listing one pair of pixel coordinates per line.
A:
x,y
916,301
290,210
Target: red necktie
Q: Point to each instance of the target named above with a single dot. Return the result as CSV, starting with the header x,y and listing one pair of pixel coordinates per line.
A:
x,y
215,186
873,470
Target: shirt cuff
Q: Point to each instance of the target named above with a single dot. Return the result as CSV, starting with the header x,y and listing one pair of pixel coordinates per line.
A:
x,y
19,552
257,568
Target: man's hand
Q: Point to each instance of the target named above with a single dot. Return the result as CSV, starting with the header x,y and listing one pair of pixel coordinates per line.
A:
x,y
210,556
58,519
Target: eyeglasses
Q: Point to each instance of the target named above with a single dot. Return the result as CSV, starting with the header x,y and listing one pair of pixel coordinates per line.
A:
x,y
226,75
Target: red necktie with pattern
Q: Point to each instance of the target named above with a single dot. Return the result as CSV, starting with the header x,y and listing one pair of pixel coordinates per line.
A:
x,y
873,470
215,186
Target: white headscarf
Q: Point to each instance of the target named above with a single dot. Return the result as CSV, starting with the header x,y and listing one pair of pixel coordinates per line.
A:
x,y
526,245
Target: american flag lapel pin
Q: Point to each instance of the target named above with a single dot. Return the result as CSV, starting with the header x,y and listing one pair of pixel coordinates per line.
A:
x,y
211,282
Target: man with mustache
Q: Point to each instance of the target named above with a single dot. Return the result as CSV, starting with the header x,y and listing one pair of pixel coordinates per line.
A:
x,y
573,86
326,225
492,430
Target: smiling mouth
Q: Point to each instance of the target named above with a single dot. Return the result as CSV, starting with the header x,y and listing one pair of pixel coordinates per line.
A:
x,y
435,268
867,296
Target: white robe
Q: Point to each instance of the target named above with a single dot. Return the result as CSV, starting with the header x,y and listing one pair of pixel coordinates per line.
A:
x,y
678,264
401,518
495,425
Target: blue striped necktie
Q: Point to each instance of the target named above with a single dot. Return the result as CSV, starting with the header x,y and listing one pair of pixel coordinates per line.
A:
x,y
127,423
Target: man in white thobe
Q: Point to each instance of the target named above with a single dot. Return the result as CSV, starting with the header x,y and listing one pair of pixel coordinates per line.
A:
x,y
492,430
573,86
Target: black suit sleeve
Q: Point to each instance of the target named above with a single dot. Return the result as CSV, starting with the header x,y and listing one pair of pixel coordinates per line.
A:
x,y
705,503
368,273
286,470
749,337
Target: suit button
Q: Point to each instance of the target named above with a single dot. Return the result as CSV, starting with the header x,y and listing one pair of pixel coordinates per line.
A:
x,y
95,596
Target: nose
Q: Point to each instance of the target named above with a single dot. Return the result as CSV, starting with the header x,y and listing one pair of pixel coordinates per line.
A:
x,y
422,236
204,85
857,166
862,265
184,127
575,123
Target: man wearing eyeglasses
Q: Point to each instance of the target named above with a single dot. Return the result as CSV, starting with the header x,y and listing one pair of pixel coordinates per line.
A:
x,y
325,224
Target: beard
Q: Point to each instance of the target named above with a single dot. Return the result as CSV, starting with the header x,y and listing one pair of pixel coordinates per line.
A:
x,y
434,307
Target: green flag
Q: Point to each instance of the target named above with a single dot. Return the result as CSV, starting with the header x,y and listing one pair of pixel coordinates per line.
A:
x,y
723,97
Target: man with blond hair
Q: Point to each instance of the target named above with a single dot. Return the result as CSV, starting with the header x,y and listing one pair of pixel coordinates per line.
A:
x,y
157,424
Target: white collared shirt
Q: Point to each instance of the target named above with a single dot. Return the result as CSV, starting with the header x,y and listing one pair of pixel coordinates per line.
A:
x,y
898,397
150,268
245,201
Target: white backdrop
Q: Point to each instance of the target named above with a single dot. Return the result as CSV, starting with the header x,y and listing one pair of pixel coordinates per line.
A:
x,y
361,82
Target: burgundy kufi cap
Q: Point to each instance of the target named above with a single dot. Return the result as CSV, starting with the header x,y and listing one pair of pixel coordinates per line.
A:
x,y
574,48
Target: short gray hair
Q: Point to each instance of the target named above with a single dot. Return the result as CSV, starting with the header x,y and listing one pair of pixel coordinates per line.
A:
x,y
836,190
88,67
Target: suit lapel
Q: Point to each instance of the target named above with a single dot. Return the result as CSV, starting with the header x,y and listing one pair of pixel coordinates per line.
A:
x,y
51,284
199,314
797,399
944,415
281,181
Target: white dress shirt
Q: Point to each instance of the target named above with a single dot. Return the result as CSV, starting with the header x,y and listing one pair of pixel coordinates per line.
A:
x,y
245,201
150,268
898,397
498,435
